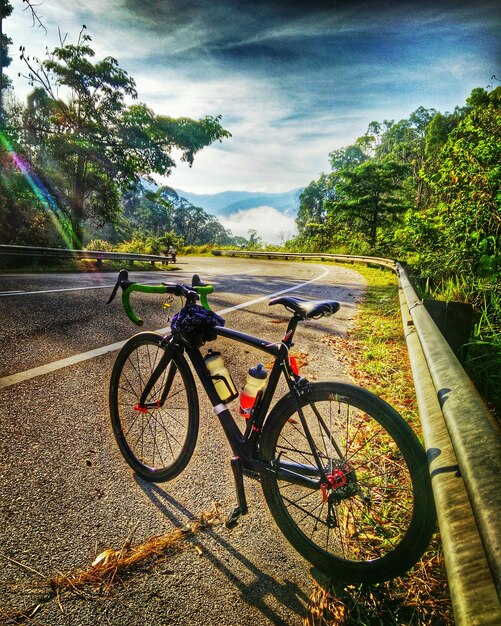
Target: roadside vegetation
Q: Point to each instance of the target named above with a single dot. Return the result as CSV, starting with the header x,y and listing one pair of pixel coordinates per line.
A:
x,y
374,355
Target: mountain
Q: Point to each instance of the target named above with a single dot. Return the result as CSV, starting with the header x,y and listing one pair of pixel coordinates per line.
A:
x,y
228,202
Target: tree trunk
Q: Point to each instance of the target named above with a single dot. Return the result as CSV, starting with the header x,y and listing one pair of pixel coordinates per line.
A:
x,y
1,73
78,203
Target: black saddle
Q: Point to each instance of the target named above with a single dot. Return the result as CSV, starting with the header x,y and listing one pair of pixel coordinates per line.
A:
x,y
307,309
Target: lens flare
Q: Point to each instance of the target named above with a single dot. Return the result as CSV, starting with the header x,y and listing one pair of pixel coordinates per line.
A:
x,y
43,195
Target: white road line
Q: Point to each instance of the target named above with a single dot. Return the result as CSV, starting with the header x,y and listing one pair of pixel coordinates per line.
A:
x,y
32,293
14,379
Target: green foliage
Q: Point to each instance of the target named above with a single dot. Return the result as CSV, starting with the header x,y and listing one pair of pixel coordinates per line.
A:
x,y
369,195
101,245
92,145
312,202
466,187
5,59
425,189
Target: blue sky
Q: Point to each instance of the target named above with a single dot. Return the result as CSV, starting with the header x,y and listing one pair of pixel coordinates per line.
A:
x,y
292,80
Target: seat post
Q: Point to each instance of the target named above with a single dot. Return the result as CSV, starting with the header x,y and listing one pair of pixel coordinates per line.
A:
x,y
293,322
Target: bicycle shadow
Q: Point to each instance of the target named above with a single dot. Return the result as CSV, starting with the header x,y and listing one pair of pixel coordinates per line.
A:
x,y
253,593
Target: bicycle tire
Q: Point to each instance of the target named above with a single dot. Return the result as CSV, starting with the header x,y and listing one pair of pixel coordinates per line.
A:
x,y
382,514
157,442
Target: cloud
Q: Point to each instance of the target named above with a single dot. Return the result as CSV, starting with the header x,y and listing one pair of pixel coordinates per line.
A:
x,y
293,80
271,225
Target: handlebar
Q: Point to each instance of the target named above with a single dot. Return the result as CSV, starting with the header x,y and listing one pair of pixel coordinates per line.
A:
x,y
192,293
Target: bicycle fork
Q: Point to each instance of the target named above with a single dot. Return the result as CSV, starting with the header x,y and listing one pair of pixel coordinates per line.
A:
x,y
159,370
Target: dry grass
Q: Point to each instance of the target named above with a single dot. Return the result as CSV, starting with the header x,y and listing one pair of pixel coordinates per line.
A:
x,y
416,600
110,567
375,356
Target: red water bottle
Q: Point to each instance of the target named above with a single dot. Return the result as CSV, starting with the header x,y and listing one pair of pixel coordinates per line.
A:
x,y
256,381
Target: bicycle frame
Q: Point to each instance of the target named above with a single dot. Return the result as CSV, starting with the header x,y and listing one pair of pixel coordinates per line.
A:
x,y
245,445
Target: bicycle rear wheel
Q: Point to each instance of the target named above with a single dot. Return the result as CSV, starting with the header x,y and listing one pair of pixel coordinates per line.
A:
x,y
156,440
374,516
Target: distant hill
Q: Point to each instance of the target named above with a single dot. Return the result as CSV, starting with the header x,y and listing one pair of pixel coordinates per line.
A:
x,y
228,202
271,215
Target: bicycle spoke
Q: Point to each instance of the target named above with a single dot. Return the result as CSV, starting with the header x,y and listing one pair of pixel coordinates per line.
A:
x,y
366,509
154,435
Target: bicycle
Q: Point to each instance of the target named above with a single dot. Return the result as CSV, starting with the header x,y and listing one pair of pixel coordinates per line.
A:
x,y
344,476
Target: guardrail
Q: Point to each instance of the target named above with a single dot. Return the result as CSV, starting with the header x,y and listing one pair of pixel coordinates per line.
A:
x,y
462,440
463,444
37,253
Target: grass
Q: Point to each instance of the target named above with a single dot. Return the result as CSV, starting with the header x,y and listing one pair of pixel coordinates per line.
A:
x,y
483,355
375,356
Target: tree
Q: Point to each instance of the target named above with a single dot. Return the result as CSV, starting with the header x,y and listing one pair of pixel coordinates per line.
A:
x,y
154,213
5,60
465,182
98,144
5,42
369,195
312,202
254,239
403,142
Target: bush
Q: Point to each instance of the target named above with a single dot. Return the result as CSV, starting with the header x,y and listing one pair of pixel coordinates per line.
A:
x,y
101,245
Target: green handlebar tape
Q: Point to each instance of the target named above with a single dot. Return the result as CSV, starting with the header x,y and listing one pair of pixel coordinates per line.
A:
x,y
203,292
145,289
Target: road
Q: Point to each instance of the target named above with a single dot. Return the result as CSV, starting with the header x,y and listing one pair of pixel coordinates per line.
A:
x,y
66,493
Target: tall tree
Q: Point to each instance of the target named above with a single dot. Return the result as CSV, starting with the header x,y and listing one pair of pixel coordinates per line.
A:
x,y
369,195
465,180
312,209
98,143
5,11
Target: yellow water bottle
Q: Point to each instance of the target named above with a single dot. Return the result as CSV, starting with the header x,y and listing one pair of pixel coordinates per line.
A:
x,y
223,383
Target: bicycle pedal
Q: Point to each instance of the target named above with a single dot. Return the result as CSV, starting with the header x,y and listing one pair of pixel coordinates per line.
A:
x,y
233,517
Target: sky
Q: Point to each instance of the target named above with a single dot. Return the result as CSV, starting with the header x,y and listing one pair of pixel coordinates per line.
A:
x,y
292,80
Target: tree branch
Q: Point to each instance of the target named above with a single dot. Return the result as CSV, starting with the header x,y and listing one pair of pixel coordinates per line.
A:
x,y
34,15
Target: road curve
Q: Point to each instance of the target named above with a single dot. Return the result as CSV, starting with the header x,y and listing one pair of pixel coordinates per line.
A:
x,y
66,494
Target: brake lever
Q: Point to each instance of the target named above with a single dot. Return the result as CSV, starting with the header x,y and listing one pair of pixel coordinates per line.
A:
x,y
122,281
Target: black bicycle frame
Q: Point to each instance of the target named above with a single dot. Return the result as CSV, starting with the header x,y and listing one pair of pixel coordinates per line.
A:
x,y
244,445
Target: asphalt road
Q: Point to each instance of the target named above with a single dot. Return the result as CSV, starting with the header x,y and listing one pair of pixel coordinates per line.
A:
x,y
66,493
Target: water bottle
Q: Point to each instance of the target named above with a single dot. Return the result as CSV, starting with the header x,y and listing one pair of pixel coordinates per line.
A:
x,y
223,383
256,381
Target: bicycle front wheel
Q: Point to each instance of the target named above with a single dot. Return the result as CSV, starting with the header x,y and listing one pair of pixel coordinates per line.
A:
x,y
158,439
371,516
